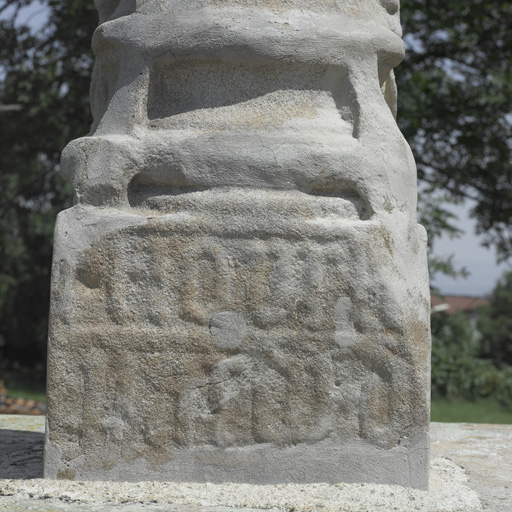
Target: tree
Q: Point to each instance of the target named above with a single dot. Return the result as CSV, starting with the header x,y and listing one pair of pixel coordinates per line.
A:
x,y
455,87
454,348
495,323
458,370
44,84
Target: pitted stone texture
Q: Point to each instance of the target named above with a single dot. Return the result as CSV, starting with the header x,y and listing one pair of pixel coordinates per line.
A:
x,y
197,352
241,292
269,94
449,493
451,488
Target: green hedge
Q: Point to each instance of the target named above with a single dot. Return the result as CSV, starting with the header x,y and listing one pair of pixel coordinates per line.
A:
x,y
458,370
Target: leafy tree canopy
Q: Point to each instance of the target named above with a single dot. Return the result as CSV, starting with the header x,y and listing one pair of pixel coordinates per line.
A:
x,y
44,83
495,323
455,110
458,370
455,90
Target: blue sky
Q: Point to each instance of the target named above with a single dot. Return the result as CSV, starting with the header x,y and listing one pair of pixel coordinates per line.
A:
x,y
467,251
36,15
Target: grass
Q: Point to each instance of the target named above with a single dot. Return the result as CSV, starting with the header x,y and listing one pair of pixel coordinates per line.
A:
x,y
24,381
483,411
442,410
35,393
23,387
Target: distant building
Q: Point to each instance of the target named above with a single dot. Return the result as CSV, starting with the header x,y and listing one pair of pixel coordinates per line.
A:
x,y
451,303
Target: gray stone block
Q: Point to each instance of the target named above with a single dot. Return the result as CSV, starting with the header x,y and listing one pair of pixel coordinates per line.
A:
x,y
241,292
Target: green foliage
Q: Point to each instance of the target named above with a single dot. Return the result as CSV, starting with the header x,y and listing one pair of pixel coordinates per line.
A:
x,y
44,82
438,220
481,411
458,371
454,96
495,323
455,90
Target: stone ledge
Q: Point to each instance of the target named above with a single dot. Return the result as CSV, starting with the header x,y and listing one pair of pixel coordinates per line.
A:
x,y
471,469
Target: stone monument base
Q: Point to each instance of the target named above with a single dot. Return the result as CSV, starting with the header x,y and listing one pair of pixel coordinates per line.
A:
x,y
252,341
326,462
484,481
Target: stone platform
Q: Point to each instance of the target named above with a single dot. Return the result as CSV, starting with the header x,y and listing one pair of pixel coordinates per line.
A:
x,y
471,469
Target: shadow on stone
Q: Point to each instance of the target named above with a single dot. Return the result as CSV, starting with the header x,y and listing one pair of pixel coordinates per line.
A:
x,y
21,454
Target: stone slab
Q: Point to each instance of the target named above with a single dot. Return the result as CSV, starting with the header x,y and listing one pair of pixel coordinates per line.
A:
x,y
485,453
240,293
482,449
193,347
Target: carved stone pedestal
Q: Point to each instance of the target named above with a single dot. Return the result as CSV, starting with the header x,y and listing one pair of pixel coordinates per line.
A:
x,y
241,292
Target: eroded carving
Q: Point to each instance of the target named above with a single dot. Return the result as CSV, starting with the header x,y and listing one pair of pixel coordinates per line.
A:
x,y
241,292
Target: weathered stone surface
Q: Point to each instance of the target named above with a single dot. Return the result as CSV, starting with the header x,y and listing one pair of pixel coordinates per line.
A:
x,y
452,489
241,293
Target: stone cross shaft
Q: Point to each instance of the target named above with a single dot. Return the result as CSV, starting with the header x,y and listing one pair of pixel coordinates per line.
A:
x,y
240,293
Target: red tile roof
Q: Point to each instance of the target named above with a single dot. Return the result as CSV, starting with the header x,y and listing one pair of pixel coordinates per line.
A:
x,y
454,303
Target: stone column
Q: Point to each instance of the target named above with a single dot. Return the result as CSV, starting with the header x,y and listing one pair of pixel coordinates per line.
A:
x,y
240,293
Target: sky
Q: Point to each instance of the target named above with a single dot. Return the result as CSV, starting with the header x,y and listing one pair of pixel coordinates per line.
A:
x,y
35,15
467,251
